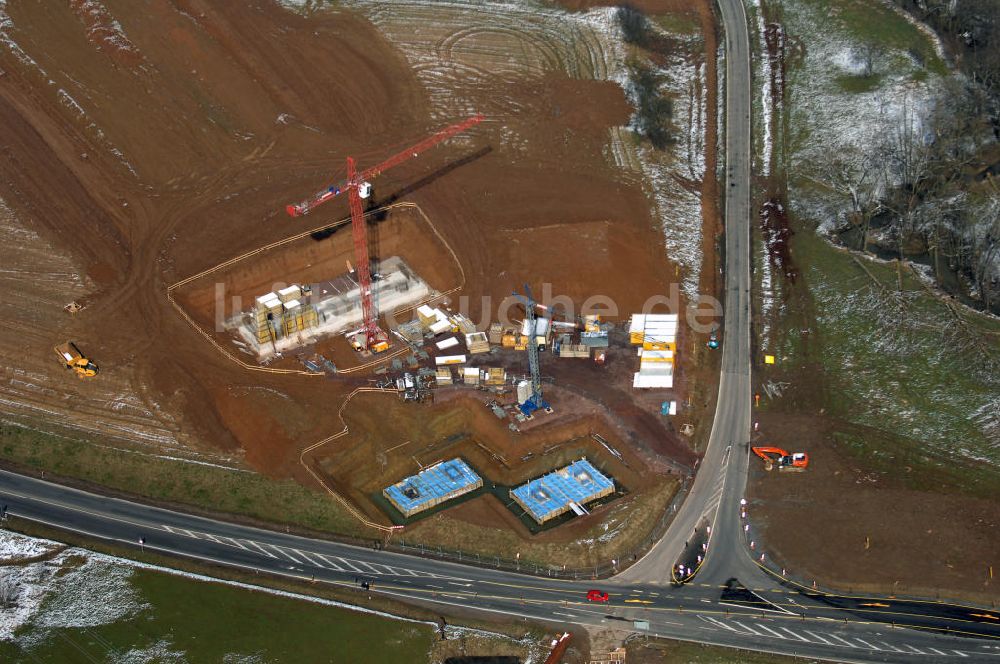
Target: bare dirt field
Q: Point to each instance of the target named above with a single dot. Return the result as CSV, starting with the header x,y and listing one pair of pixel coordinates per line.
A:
x,y
147,145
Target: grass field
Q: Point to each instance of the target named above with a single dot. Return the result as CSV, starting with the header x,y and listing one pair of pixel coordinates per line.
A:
x,y
874,23
203,486
79,606
902,362
180,619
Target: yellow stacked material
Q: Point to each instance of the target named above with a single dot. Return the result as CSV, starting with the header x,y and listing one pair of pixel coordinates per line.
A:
x,y
592,323
657,343
443,376
477,343
521,343
289,294
647,355
509,338
426,315
495,376
464,325
654,331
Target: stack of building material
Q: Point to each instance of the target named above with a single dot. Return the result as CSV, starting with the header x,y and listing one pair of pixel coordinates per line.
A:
x,y
574,350
496,333
282,314
447,343
656,368
434,320
470,375
654,331
443,376
543,332
267,315
426,315
440,327
444,360
494,376
464,325
654,375
509,338
477,343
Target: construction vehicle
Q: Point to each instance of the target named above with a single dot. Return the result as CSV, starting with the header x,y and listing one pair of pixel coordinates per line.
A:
x,y
358,188
775,456
73,359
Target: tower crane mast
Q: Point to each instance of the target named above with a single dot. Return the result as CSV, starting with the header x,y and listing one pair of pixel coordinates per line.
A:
x,y
535,401
358,188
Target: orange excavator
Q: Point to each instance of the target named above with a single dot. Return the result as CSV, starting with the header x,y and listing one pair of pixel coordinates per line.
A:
x,y
775,456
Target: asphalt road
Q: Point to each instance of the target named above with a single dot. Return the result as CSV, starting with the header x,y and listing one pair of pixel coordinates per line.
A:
x,y
732,601
768,617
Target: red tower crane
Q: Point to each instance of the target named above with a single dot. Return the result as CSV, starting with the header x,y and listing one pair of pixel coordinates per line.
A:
x,y
358,187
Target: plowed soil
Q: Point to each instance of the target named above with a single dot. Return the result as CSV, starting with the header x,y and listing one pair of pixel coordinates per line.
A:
x,y
147,143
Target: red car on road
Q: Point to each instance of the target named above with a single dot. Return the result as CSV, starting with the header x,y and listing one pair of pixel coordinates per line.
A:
x,y
597,596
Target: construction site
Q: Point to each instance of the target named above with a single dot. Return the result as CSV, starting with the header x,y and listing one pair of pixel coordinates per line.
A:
x,y
348,284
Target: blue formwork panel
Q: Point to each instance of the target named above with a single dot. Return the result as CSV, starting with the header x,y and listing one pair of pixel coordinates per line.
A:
x,y
550,495
432,486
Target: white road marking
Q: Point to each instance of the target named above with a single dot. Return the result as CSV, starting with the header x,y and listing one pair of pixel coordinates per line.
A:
x,y
349,565
817,636
959,653
777,634
719,623
893,647
943,654
914,649
801,638
260,548
369,566
868,645
844,641
334,566
747,628
567,615
308,559
285,553
234,542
